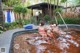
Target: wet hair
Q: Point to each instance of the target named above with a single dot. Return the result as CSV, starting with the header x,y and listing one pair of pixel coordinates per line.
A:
x,y
41,23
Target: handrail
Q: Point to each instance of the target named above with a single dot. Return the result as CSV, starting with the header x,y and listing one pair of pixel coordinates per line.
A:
x,y
63,20
56,19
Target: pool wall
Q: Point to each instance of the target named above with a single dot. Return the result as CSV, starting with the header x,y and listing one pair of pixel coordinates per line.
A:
x,y
17,34
75,26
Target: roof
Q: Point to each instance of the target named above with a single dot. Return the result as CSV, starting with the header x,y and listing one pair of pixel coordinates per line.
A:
x,y
42,6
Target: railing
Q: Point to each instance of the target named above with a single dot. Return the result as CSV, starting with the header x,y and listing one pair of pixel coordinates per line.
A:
x,y
61,19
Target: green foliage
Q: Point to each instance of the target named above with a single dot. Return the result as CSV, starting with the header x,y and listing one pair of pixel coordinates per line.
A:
x,y
78,2
24,21
17,8
63,1
27,22
11,2
4,0
1,29
17,24
27,3
58,10
69,20
24,10
33,20
6,25
47,18
20,9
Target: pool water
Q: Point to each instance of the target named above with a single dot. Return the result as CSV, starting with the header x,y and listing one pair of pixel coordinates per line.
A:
x,y
33,43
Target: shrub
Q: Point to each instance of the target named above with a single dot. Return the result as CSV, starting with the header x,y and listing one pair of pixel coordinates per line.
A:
x,y
26,21
69,20
58,10
47,18
6,25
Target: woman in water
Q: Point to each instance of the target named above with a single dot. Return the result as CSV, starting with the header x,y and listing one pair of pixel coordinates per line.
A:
x,y
55,29
49,31
43,32
42,29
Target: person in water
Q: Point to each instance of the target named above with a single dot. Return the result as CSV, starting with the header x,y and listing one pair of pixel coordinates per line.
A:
x,y
42,29
49,32
55,29
43,32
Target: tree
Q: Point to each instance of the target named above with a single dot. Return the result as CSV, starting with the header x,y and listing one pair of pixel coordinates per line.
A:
x,y
64,1
23,11
17,9
1,15
20,9
49,6
11,2
57,3
77,2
